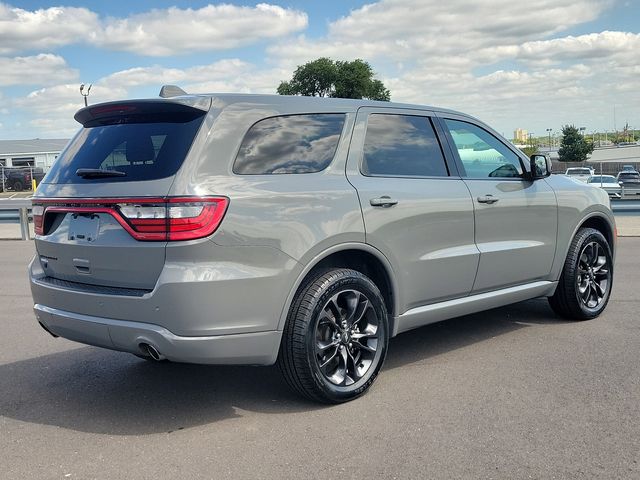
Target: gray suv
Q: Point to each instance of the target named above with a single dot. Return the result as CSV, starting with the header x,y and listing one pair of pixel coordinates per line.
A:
x,y
257,229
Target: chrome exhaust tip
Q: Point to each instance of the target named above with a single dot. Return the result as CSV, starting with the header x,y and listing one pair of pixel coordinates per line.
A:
x,y
152,352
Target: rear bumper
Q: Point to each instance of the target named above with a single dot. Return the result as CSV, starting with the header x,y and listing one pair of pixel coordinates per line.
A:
x,y
259,348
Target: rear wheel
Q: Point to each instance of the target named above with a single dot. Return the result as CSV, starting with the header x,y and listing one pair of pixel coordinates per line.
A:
x,y
17,186
585,284
336,337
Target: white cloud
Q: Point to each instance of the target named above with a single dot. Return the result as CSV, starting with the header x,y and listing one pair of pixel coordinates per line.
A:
x,y
158,75
501,60
44,29
422,29
158,32
51,109
35,70
210,28
593,46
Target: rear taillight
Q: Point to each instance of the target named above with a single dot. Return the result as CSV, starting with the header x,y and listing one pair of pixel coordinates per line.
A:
x,y
178,218
37,212
147,219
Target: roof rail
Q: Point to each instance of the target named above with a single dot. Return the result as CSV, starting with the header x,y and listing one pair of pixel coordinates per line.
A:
x,y
168,91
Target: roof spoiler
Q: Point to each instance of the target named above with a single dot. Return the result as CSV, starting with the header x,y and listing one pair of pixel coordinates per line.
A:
x,y
168,91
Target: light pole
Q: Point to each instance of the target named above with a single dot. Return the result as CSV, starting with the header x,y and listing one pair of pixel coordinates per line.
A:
x,y
549,132
85,95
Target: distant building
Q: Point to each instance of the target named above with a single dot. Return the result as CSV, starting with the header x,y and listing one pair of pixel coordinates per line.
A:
x,y
30,153
520,135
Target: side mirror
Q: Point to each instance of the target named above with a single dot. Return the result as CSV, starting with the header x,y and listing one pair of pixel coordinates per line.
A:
x,y
540,166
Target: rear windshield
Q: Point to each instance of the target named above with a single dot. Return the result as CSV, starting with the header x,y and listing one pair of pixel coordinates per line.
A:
x,y
629,175
144,147
578,171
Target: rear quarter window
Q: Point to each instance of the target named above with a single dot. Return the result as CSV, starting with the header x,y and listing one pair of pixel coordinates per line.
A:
x,y
290,144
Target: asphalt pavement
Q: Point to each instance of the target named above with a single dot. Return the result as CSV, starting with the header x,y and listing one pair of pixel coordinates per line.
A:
x,y
509,393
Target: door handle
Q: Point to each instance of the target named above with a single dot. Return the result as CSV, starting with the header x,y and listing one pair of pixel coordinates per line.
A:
x,y
384,201
490,199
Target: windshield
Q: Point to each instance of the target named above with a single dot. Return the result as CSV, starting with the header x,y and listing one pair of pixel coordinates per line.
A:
x,y
138,148
602,179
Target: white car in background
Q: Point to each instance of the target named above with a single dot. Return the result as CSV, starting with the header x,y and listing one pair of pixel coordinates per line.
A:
x,y
608,183
580,173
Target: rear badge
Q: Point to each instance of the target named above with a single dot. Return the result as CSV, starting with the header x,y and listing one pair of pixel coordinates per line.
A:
x,y
84,227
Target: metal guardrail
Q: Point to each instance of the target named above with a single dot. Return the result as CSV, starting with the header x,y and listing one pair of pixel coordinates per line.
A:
x,y
22,205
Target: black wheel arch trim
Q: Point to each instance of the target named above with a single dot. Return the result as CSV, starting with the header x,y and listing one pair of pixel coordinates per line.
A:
x,y
315,261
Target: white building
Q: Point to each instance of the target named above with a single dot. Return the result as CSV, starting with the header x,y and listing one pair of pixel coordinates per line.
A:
x,y
35,153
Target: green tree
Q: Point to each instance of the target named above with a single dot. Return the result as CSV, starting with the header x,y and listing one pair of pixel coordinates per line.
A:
x,y
341,79
574,147
528,151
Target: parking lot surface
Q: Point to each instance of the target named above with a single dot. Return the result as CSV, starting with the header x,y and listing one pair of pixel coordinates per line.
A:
x,y
509,393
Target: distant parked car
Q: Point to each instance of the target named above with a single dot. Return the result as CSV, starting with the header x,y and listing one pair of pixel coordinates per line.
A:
x,y
19,178
628,168
579,173
608,183
630,181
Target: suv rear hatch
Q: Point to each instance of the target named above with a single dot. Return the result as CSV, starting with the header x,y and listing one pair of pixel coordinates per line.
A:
x,y
102,215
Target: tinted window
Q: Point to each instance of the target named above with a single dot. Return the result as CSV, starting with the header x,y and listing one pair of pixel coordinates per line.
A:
x,y
602,179
629,175
578,171
482,154
402,145
290,144
148,150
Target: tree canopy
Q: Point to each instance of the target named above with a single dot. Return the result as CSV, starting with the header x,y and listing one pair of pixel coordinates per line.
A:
x,y
574,147
340,79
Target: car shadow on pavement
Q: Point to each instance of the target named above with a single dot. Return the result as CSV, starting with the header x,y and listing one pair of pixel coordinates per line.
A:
x,y
95,390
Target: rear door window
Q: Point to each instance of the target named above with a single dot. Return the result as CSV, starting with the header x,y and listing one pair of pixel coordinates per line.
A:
x,y
402,146
290,144
146,147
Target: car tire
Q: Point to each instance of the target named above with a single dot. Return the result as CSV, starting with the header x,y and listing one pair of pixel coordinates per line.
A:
x,y
17,186
336,336
585,284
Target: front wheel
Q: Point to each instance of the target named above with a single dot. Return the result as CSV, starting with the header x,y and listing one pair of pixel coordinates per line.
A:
x,y
587,277
336,336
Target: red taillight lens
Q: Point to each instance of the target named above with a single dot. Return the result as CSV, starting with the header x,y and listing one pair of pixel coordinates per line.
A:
x,y
37,212
149,219
179,218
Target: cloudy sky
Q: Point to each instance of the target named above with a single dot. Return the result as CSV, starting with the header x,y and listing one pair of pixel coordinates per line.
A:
x,y
537,64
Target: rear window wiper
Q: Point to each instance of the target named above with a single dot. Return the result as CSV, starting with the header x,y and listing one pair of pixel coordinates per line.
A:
x,y
99,173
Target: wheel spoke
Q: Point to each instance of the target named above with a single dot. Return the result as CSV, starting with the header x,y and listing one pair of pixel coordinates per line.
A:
x,y
598,290
322,346
331,357
332,305
371,348
365,334
586,293
363,307
354,374
352,301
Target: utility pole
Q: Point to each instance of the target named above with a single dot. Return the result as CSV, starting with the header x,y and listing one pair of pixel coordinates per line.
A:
x,y
549,132
85,95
